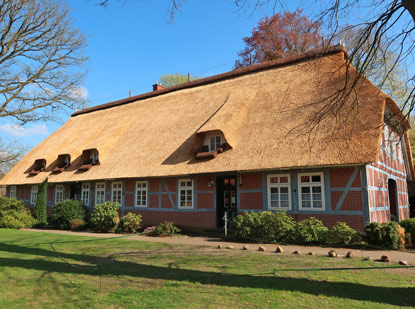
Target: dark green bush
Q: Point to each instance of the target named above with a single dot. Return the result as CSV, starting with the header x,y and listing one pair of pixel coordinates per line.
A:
x,y
409,226
387,235
105,217
342,234
64,212
263,226
166,228
14,214
310,231
131,223
40,207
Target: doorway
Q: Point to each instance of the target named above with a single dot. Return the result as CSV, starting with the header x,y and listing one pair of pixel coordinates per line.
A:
x,y
393,205
75,191
225,199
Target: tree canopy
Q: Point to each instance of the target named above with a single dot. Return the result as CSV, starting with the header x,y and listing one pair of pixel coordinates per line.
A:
x,y
169,80
279,36
41,56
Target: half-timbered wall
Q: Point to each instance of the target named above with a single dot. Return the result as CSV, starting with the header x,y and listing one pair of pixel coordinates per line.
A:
x,y
390,165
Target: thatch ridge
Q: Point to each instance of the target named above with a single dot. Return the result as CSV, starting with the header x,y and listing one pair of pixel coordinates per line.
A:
x,y
311,55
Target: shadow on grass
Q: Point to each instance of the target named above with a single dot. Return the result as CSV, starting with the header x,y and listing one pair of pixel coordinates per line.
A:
x,y
110,267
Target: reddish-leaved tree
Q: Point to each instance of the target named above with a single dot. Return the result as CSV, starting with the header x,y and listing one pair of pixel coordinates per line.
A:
x,y
280,36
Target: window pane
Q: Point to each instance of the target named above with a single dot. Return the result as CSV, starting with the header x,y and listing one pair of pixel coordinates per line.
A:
x,y
305,189
284,190
274,197
284,179
305,197
316,178
316,197
274,204
317,204
182,204
284,197
189,183
182,183
273,180
274,190
306,204
316,189
284,204
305,178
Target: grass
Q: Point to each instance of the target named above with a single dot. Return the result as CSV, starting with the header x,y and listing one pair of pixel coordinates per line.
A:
x,y
82,272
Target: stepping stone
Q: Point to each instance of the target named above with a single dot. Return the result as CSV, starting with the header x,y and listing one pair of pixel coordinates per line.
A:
x,y
349,254
368,258
229,247
403,262
220,247
310,253
245,247
296,252
261,248
332,253
385,259
279,249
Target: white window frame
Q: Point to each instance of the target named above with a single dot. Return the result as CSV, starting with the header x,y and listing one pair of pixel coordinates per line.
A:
x,y
214,134
115,189
86,190
141,187
33,194
185,188
99,190
310,185
13,192
59,189
279,185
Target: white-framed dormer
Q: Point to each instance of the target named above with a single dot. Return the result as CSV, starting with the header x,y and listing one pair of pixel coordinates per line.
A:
x,y
185,195
311,191
279,192
141,193
214,140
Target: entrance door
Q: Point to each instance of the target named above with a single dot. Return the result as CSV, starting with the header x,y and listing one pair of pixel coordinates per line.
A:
x,y
225,198
393,205
75,193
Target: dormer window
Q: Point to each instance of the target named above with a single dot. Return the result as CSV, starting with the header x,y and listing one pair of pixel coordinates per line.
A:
x,y
37,167
89,158
63,161
214,143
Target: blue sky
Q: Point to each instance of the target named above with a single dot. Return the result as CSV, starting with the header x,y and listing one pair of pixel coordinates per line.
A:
x,y
131,44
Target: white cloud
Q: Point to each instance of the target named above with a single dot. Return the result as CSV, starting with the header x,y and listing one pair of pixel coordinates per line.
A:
x,y
17,130
79,92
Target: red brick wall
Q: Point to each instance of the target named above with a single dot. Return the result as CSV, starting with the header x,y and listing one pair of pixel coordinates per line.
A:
x,y
205,201
251,181
354,221
251,200
183,219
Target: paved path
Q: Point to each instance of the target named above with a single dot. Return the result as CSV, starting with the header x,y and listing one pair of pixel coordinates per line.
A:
x,y
394,255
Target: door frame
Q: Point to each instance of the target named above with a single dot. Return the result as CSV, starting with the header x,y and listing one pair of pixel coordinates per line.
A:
x,y
219,192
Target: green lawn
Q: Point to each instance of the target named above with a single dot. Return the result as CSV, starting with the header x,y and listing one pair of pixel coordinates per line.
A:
x,y
113,273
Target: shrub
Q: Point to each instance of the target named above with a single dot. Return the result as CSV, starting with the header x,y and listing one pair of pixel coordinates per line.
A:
x,y
76,224
105,218
14,214
166,228
263,226
131,223
64,212
342,234
409,226
40,207
389,235
310,231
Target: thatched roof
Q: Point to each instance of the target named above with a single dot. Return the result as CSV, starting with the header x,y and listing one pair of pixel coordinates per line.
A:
x,y
266,113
